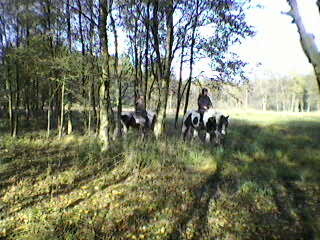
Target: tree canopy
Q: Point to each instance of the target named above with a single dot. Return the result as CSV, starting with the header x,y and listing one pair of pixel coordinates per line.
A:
x,y
56,55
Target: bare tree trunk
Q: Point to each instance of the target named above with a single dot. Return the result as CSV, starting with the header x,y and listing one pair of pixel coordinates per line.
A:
x,y
160,126
69,111
93,103
69,114
293,100
115,65
89,114
68,24
191,58
10,100
92,92
308,105
136,64
158,71
62,110
104,92
83,79
179,95
264,103
49,115
37,100
17,102
146,55
307,40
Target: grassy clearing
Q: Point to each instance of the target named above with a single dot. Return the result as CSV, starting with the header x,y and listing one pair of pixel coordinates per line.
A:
x,y
263,185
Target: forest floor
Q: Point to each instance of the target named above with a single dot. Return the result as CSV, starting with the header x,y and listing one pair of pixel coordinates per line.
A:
x,y
264,184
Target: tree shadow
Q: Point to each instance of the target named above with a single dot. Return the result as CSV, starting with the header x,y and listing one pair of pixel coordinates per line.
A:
x,y
282,157
275,156
50,162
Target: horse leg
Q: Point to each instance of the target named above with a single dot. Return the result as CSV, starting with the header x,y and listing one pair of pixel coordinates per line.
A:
x,y
207,139
217,137
195,133
184,131
145,129
125,129
141,131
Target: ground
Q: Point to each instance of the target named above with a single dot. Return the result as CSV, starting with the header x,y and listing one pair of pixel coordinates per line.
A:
x,y
263,184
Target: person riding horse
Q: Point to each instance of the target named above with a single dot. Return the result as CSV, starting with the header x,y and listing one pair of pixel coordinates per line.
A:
x,y
141,119
141,109
204,103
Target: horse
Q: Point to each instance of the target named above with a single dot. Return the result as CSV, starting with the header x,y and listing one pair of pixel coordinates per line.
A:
x,y
214,123
136,121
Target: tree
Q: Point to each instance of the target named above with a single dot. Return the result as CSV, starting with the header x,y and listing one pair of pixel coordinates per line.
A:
x,y
307,40
104,91
55,56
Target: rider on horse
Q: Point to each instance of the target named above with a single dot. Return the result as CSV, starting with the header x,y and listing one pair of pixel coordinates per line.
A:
x,y
204,103
141,109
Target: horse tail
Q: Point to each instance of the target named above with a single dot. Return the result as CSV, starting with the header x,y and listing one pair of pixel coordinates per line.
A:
x,y
153,122
125,119
185,125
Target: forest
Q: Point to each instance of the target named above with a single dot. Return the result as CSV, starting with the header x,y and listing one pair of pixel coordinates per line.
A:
x,y
70,69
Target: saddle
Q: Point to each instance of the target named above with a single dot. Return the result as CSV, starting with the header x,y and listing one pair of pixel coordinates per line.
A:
x,y
140,118
201,111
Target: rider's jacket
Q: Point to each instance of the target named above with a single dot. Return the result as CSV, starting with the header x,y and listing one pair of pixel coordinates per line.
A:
x,y
204,102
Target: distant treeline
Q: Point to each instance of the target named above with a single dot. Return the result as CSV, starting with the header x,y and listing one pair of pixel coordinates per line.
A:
x,y
296,93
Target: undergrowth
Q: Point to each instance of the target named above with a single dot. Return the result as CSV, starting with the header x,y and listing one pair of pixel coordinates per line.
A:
x,y
263,184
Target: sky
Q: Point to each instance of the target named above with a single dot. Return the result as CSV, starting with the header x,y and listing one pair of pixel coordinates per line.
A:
x,y
275,49
276,44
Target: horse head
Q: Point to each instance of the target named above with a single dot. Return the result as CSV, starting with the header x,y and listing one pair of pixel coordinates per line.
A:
x,y
221,130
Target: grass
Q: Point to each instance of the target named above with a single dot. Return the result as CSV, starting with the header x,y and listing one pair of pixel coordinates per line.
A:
x,y
264,184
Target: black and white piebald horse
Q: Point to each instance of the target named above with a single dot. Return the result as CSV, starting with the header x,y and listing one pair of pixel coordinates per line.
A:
x,y
214,123
136,121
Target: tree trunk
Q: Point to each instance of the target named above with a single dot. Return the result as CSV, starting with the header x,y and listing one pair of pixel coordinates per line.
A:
x,y
136,63
83,79
160,126
92,92
104,123
49,115
68,24
191,58
10,99
69,117
104,92
69,112
89,114
62,110
119,82
146,55
17,102
293,100
307,40
179,95
264,103
93,103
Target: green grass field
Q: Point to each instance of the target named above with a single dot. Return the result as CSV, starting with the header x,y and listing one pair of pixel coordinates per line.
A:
x,y
264,184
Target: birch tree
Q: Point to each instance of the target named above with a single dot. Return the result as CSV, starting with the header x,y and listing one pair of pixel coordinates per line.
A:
x,y
307,39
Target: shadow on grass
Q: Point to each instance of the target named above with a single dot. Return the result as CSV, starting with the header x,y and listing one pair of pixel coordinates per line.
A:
x,y
32,175
281,160
266,185
284,159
